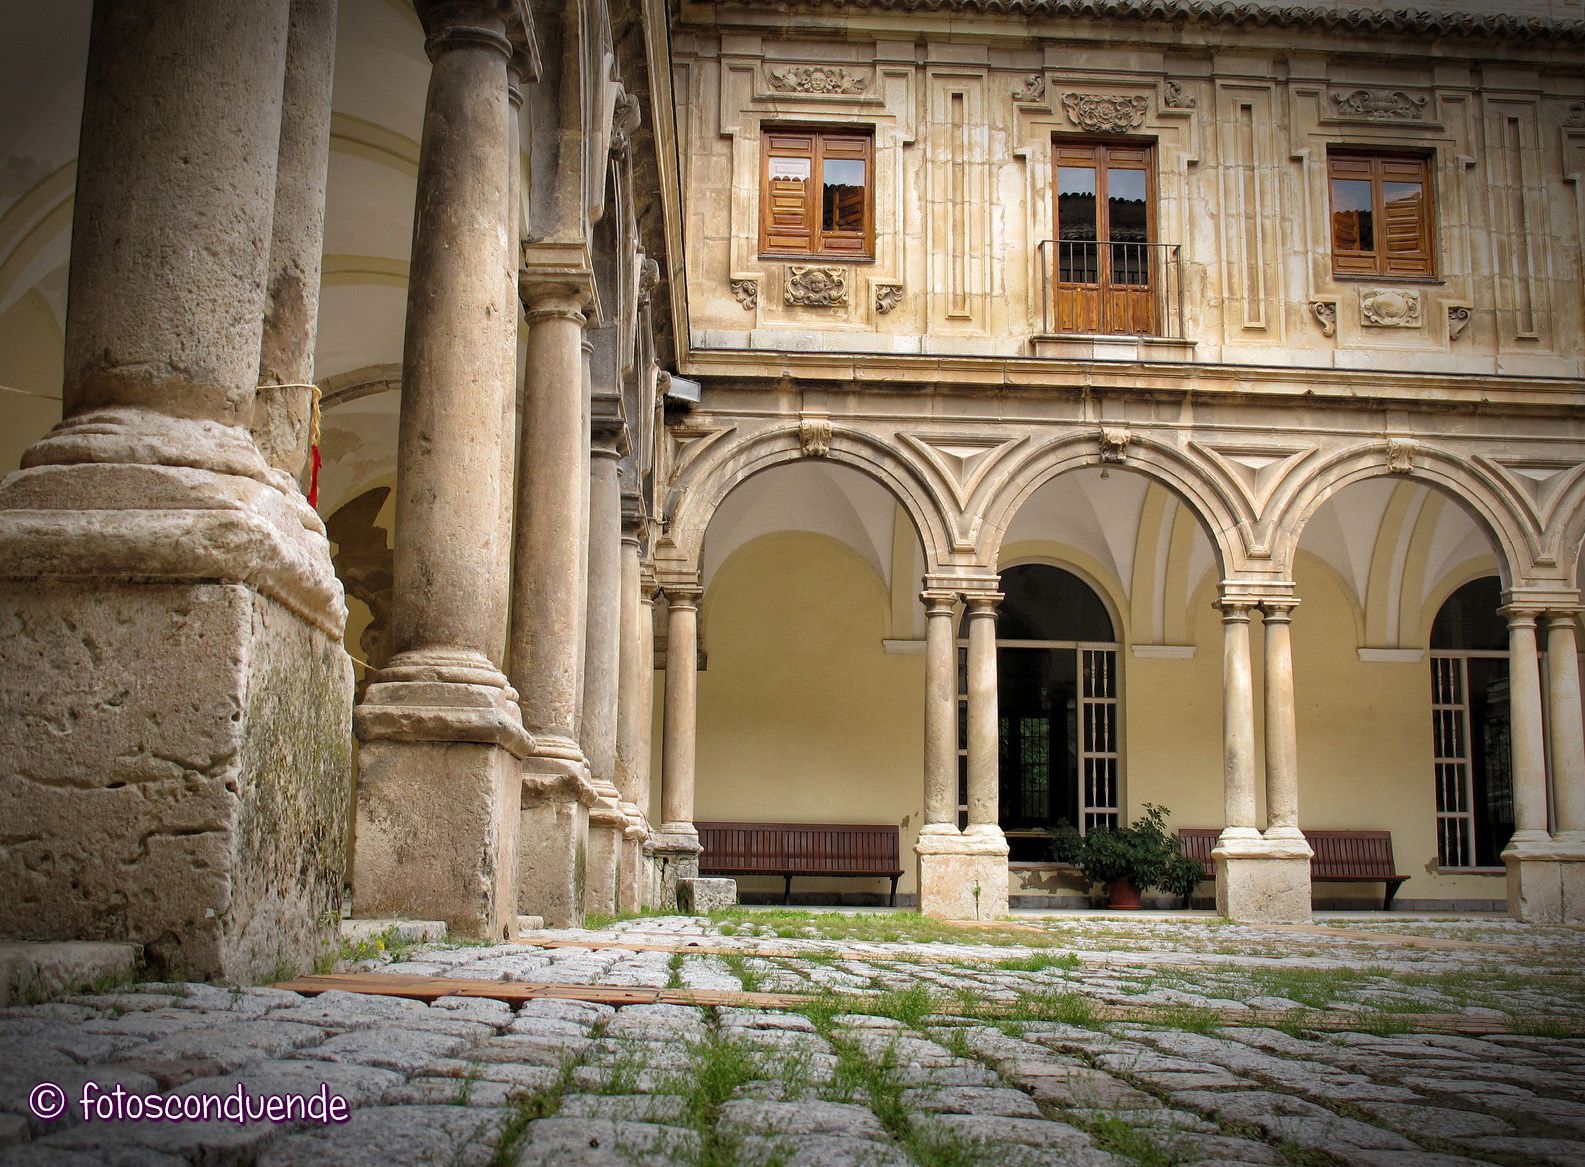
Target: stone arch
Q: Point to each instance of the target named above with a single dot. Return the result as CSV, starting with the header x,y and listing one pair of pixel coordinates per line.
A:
x,y
1565,537
1107,588
1517,542
1226,517
705,483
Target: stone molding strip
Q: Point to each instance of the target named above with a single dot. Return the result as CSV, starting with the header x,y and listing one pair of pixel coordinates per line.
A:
x,y
1365,21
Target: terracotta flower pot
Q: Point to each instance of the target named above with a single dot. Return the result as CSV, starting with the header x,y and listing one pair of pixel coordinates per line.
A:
x,y
1121,894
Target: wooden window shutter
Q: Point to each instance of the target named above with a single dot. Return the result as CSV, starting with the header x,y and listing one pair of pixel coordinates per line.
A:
x,y
787,194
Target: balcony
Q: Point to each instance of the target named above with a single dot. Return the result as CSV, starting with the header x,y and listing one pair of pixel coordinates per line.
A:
x,y
1111,300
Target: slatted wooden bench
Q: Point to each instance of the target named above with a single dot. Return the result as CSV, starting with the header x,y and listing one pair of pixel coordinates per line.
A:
x,y
789,849
1340,857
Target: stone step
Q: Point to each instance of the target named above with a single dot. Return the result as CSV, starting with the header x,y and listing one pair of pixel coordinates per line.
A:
x,y
33,970
357,931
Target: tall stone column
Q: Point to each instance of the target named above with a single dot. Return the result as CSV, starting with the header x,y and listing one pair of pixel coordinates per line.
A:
x,y
165,594
643,778
441,732
948,862
978,876
632,675
602,658
1260,879
283,407
1536,862
677,844
1567,740
548,608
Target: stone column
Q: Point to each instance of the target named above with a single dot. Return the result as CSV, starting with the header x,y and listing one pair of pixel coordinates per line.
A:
x,y
297,241
547,599
1537,864
602,655
441,732
631,677
164,592
976,882
677,844
643,784
1567,739
1259,879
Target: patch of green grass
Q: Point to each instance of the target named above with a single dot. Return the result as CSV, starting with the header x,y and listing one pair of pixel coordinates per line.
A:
x,y
1040,962
738,966
878,1081
1121,1138
1543,1025
527,1108
910,1005
674,971
1192,1018
1067,1008
884,927
717,1068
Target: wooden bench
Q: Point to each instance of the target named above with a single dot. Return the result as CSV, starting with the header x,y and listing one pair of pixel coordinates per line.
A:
x,y
789,849
1340,857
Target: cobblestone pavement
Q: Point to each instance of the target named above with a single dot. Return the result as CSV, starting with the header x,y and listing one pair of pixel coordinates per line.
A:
x,y
965,1047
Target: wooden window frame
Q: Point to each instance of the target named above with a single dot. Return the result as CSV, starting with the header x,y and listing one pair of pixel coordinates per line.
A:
x,y
1378,168
784,141
1108,314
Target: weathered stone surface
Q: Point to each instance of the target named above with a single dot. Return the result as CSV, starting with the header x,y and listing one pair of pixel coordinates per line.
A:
x,y
971,1100
389,1046
31,971
700,897
749,1117
381,1135
595,1142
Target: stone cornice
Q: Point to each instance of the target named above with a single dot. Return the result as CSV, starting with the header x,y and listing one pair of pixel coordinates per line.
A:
x,y
1400,388
1357,20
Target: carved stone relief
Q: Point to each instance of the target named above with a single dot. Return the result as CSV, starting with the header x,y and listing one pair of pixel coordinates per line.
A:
x,y
1105,113
1325,312
1576,114
887,297
827,79
816,287
1457,321
747,293
1174,96
1380,105
1400,455
814,435
1114,444
1033,88
1389,307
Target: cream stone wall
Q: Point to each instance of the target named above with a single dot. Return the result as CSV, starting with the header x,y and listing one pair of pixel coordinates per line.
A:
x,y
1241,118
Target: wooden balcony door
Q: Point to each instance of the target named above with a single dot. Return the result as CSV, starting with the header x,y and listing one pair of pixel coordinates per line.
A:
x,y
1104,266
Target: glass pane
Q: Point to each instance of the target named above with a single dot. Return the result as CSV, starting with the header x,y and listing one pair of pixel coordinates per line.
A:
x,y
1125,206
1405,202
1353,228
842,204
1077,261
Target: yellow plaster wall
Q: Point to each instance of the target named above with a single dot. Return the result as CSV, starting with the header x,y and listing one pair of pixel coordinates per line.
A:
x,y
803,717
31,365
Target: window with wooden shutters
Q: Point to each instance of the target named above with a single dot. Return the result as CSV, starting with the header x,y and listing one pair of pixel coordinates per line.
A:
x,y
817,194
1381,215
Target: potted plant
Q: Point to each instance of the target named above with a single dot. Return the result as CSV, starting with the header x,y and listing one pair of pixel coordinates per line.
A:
x,y
1127,860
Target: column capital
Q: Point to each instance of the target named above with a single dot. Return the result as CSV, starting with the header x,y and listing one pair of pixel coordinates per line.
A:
x,y
453,24
938,602
1565,616
551,292
682,596
982,603
1236,610
1521,615
1278,609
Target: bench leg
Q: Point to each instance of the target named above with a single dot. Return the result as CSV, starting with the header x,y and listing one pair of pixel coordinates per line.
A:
x,y
1392,889
894,892
786,891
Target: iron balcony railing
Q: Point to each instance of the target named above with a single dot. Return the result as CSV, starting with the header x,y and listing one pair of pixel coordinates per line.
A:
x,y
1111,289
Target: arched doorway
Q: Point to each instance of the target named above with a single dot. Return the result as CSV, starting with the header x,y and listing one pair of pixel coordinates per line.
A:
x,y
1470,728
1058,703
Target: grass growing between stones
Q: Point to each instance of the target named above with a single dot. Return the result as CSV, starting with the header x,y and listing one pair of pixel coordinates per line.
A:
x,y
884,928
527,1108
738,966
1040,962
599,921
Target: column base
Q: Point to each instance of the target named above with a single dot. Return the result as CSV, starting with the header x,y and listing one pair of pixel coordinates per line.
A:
x,y
438,781
607,831
630,873
553,840
176,750
1262,880
676,850
963,876
1546,878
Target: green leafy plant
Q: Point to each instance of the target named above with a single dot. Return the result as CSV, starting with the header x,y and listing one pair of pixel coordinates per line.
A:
x,y
1142,852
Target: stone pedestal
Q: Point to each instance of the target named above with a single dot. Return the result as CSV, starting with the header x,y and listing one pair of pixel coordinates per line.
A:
x,y
553,842
676,857
602,868
437,806
954,867
700,897
1546,880
630,885
1262,880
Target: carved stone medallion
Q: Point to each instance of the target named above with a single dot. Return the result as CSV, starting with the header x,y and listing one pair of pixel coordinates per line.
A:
x,y
826,79
887,297
1033,88
814,436
747,293
1105,113
1114,445
1174,96
1389,307
1380,105
1400,455
816,287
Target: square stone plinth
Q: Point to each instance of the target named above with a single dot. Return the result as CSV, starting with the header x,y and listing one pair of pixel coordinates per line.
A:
x,y
962,878
552,848
700,897
1546,883
177,762
1263,889
602,866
